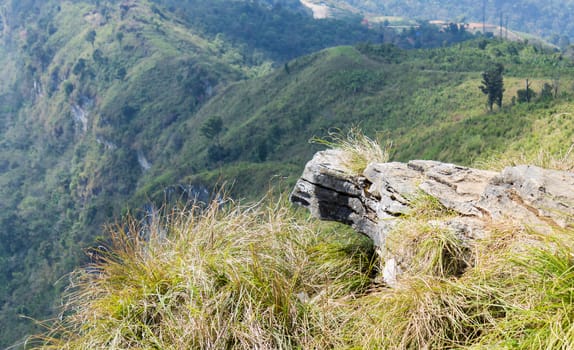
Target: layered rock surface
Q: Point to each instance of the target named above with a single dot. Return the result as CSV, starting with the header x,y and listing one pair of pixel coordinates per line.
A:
x,y
373,202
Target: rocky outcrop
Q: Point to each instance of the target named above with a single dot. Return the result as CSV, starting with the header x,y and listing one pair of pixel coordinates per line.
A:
x,y
373,202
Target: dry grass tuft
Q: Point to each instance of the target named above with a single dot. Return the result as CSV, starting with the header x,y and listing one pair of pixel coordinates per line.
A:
x,y
359,150
423,245
225,277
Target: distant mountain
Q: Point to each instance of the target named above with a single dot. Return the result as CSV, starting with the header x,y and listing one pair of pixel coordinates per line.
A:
x,y
552,20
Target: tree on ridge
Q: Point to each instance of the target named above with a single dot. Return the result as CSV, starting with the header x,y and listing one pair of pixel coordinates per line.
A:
x,y
493,85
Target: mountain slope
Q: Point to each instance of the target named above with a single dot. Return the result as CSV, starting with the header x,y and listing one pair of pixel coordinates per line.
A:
x,y
427,102
91,92
65,140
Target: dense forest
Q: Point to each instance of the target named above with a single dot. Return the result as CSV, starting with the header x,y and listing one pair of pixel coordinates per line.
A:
x,y
109,107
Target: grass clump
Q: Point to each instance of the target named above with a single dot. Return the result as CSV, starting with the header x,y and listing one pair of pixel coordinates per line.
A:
x,y
420,313
428,250
539,304
358,150
517,295
220,278
423,244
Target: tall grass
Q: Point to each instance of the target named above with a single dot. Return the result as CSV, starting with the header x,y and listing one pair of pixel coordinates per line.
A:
x,y
423,245
358,149
539,304
266,277
563,160
422,312
232,277
517,296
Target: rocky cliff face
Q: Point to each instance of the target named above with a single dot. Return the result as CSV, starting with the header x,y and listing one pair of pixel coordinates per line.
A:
x,y
374,202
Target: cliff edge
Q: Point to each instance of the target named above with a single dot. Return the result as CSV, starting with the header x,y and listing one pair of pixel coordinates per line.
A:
x,y
374,201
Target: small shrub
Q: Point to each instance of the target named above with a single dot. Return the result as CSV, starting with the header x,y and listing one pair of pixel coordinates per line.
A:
x,y
547,92
68,88
525,96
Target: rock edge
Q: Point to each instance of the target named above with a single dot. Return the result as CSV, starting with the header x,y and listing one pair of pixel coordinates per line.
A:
x,y
373,202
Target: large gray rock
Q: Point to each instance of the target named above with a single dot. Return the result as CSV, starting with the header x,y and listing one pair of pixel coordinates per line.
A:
x,y
372,202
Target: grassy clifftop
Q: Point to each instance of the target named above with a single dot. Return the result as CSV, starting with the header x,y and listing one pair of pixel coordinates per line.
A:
x,y
264,277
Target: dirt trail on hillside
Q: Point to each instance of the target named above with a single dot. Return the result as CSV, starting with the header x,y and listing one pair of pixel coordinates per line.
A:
x,y
319,11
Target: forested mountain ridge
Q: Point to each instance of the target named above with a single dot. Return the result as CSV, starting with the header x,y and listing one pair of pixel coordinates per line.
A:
x,y
107,105
550,20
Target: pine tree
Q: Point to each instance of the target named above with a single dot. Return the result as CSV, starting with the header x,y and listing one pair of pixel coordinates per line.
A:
x,y
493,85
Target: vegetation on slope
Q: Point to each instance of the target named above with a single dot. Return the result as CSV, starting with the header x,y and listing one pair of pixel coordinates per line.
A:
x,y
59,147
84,86
277,32
222,277
104,102
427,102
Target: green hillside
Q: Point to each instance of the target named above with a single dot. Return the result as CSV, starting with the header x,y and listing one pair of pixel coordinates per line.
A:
x,y
427,102
108,106
263,276
91,93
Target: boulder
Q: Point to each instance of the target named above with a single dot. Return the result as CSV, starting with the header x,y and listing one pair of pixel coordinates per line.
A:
x,y
374,201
